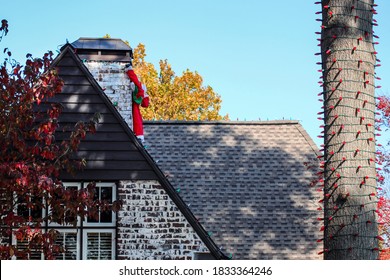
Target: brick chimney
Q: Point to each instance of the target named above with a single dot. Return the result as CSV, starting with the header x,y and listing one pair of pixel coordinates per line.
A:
x,y
106,58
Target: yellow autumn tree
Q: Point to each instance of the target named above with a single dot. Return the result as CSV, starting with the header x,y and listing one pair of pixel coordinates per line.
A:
x,y
175,97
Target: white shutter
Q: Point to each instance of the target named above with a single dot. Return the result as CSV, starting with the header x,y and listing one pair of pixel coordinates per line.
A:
x,y
22,245
99,245
69,242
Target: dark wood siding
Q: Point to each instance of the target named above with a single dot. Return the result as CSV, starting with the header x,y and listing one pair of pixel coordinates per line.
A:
x,y
112,152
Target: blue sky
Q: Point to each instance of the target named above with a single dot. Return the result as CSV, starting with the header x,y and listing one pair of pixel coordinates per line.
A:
x,y
258,55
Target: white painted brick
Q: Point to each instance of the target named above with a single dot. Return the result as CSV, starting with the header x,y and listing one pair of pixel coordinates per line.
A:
x,y
150,226
112,77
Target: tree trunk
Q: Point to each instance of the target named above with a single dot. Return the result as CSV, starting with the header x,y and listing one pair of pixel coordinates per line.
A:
x,y
348,64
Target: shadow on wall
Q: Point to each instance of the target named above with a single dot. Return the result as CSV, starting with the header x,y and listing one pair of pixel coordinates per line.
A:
x,y
248,185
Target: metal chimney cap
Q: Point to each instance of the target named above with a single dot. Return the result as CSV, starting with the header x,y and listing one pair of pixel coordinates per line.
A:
x,y
101,44
103,49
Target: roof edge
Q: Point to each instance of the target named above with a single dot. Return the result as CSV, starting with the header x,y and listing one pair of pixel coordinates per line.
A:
x,y
308,139
183,122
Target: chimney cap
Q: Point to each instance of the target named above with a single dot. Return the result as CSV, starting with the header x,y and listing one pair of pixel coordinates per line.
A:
x,y
101,44
103,49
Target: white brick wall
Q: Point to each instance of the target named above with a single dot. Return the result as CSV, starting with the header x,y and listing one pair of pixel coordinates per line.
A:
x,y
150,226
112,78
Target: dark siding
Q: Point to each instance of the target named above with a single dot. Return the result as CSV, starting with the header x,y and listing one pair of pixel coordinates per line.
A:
x,y
111,153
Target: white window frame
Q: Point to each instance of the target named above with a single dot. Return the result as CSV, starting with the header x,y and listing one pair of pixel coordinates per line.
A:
x,y
77,232
113,215
16,209
66,184
100,230
82,228
15,243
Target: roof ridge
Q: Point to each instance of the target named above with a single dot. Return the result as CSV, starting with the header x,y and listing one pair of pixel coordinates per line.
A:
x,y
184,122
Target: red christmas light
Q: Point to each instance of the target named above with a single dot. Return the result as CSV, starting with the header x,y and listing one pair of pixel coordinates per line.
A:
x,y
325,251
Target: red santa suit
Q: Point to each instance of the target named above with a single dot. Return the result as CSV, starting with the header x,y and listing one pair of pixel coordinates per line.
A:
x,y
140,98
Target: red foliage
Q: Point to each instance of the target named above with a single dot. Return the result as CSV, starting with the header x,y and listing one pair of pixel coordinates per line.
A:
x,y
384,226
383,162
31,159
385,254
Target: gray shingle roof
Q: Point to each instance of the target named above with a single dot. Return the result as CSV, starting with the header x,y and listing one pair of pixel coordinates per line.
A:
x,y
246,181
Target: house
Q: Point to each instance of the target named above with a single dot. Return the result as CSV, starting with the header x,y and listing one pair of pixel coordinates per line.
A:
x,y
247,182
154,222
202,190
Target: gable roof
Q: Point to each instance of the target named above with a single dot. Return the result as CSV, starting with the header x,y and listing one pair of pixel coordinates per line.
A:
x,y
246,181
113,153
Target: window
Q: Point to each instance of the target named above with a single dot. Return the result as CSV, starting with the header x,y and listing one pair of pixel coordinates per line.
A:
x,y
30,207
34,254
99,244
91,238
104,192
67,218
68,239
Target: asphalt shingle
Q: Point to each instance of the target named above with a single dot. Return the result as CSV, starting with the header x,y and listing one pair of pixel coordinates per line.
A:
x,y
246,182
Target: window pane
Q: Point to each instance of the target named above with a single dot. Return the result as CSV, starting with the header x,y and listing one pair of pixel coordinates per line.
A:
x,y
36,210
106,193
29,206
92,220
59,214
96,197
106,217
23,211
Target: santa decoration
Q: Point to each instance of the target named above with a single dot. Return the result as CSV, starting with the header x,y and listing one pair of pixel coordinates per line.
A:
x,y
140,98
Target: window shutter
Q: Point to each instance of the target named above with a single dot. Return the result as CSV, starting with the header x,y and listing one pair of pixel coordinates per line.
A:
x,y
34,254
68,240
99,245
